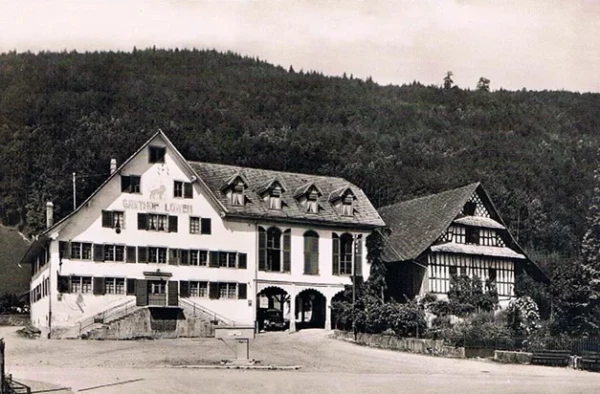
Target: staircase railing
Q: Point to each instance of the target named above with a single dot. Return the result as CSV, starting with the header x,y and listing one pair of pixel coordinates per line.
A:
x,y
199,310
108,315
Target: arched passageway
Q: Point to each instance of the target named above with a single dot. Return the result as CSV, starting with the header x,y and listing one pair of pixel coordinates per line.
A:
x,y
335,324
273,309
310,309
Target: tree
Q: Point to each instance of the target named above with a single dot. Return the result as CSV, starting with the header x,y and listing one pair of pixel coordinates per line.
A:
x,y
483,84
448,80
376,282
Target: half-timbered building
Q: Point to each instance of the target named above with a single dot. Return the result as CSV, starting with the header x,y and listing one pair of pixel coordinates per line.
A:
x,y
457,232
222,241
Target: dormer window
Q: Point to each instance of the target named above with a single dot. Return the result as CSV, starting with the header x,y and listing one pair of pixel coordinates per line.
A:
x,y
237,193
311,202
275,198
348,205
469,208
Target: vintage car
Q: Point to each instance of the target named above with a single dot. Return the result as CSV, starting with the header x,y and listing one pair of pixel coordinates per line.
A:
x,y
272,319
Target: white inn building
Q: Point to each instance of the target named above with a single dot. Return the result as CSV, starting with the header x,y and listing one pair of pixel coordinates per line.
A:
x,y
165,245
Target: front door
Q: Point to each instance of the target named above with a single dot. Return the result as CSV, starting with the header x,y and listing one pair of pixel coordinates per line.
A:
x,y
157,292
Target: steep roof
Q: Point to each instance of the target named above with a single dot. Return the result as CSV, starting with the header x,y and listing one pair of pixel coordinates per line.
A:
x,y
417,223
216,175
13,246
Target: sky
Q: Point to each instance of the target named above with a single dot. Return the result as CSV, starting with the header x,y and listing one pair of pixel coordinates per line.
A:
x,y
532,44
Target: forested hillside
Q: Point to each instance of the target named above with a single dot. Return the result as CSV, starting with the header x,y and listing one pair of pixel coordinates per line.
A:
x,y
535,152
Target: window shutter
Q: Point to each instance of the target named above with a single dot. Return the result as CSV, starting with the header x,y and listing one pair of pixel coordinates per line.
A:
x,y
99,286
214,259
98,252
205,226
174,256
173,293
188,190
142,254
213,290
287,244
242,291
172,224
125,184
131,254
62,284
141,292
130,286
262,249
64,250
358,256
184,289
242,261
336,254
185,257
142,221
107,219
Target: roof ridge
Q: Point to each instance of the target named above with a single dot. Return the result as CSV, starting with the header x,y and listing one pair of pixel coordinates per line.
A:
x,y
473,185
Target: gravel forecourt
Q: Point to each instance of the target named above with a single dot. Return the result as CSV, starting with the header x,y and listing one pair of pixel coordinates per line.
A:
x,y
327,366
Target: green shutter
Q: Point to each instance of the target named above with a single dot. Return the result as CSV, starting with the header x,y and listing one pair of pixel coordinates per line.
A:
x,y
107,219
62,284
99,288
262,249
98,252
287,245
125,184
214,259
185,257
130,286
142,254
173,224
242,291
184,289
141,292
142,221
205,226
188,190
174,256
173,293
335,269
242,261
131,254
213,290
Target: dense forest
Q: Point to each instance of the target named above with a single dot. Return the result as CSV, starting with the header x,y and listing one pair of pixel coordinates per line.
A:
x,y
535,152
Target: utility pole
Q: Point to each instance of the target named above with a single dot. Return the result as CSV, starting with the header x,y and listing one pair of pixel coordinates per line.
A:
x,y
354,291
74,192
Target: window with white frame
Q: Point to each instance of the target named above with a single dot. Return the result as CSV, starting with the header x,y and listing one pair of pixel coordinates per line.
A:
x,y
114,285
228,290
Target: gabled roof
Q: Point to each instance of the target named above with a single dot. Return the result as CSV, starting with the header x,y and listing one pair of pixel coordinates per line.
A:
x,y
339,193
215,174
303,189
265,187
418,223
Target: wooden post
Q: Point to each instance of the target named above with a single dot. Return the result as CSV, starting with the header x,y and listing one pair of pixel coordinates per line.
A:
x,y
2,379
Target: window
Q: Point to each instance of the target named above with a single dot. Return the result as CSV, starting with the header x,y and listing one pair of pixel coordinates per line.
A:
x,y
194,225
228,290
114,285
472,235
158,287
453,271
157,255
75,250
492,275
86,251
469,208
311,253
198,289
114,253
155,222
237,193
275,198
113,219
183,190
274,249
200,225
312,205
81,284
348,205
272,257
130,183
157,154
342,254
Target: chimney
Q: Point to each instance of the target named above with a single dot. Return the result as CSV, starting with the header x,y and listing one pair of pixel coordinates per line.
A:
x,y
113,165
49,214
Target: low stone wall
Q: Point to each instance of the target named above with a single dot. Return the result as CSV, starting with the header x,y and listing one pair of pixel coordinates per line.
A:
x,y
507,357
413,345
14,320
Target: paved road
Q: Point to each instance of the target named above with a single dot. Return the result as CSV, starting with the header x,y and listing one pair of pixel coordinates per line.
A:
x,y
328,366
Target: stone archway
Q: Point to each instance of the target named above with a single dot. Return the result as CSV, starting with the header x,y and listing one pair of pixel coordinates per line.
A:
x,y
310,309
340,296
273,309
